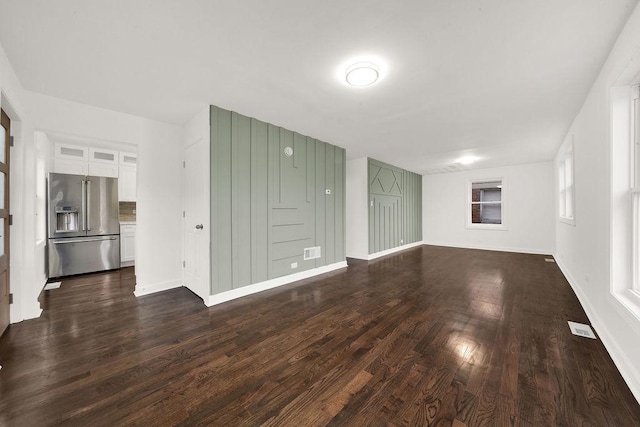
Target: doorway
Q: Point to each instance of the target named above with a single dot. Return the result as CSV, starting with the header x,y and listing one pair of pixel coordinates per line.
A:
x,y
5,137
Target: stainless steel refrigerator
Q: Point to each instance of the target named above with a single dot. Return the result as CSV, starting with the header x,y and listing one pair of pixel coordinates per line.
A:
x,y
84,231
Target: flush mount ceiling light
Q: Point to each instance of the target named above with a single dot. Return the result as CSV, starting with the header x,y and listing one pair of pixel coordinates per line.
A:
x,y
362,74
466,160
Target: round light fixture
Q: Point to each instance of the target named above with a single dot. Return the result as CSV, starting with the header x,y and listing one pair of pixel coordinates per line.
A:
x,y
362,74
466,160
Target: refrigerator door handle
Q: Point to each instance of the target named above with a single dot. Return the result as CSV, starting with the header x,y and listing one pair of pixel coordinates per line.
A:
x,y
83,217
88,205
64,242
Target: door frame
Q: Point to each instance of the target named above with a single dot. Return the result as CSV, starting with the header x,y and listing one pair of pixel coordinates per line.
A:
x,y
5,258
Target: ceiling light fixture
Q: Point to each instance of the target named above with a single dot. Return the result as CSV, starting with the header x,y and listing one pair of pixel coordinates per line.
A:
x,y
362,74
466,160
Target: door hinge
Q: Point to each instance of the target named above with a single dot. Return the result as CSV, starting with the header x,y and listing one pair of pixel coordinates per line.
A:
x,y
10,298
10,219
184,164
184,264
11,141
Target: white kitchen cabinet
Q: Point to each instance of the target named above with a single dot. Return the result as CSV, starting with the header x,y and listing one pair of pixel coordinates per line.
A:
x,y
70,159
71,152
127,184
128,159
101,169
70,166
127,244
103,155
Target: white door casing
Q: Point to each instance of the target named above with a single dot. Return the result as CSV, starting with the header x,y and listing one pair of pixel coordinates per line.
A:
x,y
196,219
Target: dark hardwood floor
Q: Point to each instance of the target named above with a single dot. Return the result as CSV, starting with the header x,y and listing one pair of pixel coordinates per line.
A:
x,y
430,336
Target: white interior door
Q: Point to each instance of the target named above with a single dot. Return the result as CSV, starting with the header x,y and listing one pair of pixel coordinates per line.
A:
x,y
196,218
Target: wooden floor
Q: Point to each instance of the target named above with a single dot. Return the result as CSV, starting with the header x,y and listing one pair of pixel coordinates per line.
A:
x,y
431,336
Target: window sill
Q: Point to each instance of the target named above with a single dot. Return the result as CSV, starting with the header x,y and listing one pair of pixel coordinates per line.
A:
x,y
630,300
499,227
570,221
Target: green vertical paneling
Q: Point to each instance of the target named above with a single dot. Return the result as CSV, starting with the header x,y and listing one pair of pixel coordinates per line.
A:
x,y
221,266
320,187
241,199
273,166
412,208
395,206
267,207
259,197
340,204
329,218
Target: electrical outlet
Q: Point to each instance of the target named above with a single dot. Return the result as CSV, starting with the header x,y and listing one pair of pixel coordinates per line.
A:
x,y
294,265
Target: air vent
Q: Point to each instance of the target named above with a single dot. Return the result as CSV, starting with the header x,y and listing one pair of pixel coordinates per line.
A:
x,y
312,253
581,330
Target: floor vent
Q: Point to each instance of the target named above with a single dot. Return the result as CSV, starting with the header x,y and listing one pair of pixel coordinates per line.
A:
x,y
549,260
581,330
52,285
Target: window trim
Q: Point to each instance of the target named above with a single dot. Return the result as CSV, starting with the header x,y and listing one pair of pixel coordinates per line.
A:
x,y
634,192
567,193
503,203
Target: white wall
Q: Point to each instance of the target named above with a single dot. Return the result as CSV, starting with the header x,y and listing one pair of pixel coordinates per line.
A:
x,y
158,230
592,262
529,209
357,222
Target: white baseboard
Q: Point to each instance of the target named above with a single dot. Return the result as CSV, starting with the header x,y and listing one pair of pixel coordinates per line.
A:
x,y
32,312
270,284
627,368
156,287
369,257
492,248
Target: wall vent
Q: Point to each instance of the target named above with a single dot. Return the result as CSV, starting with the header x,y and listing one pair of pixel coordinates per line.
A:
x,y
312,253
581,330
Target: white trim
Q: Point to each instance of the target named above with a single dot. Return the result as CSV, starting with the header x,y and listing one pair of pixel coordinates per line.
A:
x,y
369,257
628,370
156,287
270,284
568,221
492,248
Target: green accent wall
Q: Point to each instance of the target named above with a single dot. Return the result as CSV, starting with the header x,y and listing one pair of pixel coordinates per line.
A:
x,y
267,207
395,206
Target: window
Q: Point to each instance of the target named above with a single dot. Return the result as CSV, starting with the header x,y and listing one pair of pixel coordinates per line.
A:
x,y
565,184
486,203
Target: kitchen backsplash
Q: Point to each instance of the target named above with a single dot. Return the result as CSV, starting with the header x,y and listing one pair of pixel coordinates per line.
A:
x,y
127,211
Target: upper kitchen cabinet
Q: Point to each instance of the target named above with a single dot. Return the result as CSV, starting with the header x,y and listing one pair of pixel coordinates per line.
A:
x,y
127,177
71,159
103,162
94,161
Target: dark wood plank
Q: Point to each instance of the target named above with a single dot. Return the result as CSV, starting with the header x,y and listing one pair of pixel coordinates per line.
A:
x,y
429,336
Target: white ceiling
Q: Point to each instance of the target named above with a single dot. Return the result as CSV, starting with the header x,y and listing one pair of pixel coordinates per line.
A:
x,y
498,79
